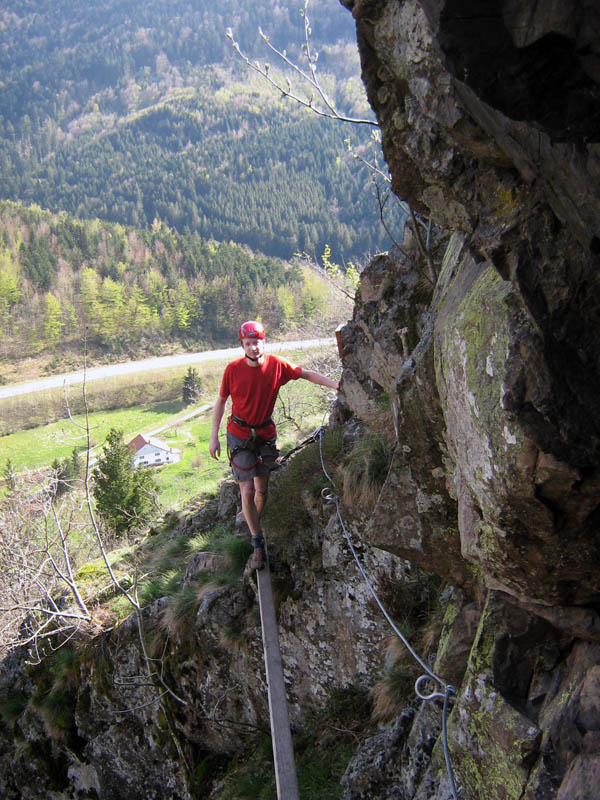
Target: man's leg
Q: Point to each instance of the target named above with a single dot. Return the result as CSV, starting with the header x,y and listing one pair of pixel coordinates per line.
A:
x,y
251,514
249,506
261,487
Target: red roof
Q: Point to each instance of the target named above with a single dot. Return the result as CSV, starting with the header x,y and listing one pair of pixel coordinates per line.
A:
x,y
140,440
137,443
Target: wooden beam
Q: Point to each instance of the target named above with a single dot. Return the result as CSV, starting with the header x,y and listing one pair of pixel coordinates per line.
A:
x,y
281,735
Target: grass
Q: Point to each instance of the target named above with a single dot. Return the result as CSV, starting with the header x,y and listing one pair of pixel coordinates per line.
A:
x,y
322,751
162,559
393,692
414,604
365,470
122,391
195,478
54,699
38,447
12,706
286,513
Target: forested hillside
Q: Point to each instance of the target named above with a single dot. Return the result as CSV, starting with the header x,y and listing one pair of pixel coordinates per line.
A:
x,y
128,291
135,112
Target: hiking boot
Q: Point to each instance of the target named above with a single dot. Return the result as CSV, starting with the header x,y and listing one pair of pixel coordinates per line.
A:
x,y
257,559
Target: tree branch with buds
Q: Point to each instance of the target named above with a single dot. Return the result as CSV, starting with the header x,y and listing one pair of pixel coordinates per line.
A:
x,y
318,100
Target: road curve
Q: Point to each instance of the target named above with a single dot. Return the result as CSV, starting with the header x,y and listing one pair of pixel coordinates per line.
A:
x,y
130,367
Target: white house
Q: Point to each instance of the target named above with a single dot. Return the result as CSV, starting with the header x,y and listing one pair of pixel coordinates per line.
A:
x,y
151,452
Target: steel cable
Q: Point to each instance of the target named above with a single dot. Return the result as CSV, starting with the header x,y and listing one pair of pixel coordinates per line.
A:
x,y
329,495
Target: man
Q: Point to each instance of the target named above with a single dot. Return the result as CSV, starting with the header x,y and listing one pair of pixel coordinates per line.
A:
x,y
253,382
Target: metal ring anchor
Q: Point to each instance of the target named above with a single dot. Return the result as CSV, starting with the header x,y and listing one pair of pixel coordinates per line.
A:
x,y
430,696
327,494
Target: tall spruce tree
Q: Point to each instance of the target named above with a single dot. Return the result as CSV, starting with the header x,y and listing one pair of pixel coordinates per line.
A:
x,y
123,494
192,387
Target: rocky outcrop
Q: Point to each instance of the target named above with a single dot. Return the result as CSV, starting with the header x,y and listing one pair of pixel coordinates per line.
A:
x,y
111,732
489,117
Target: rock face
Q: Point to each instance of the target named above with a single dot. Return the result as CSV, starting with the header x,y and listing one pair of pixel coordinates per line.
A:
x,y
489,115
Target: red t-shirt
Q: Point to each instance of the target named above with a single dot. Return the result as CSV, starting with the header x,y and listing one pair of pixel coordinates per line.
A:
x,y
254,391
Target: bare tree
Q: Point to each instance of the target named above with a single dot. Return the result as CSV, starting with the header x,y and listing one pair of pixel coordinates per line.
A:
x,y
41,605
317,100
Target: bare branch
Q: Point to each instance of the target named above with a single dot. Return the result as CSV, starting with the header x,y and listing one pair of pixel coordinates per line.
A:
x,y
327,109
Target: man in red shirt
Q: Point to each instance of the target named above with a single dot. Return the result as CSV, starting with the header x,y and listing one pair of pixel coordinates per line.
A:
x,y
253,382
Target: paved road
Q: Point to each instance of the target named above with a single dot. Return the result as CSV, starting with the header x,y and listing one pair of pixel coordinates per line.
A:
x,y
110,370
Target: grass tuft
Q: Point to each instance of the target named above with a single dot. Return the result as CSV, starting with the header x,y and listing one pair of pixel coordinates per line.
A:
x,y
365,469
181,607
323,749
12,706
392,693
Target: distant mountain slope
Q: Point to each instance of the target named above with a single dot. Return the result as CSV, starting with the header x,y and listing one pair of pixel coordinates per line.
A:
x,y
136,111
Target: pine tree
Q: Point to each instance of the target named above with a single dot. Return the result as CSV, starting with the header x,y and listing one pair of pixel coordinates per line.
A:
x,y
76,466
192,388
123,495
10,475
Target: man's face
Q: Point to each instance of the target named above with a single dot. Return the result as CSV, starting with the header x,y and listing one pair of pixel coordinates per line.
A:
x,y
253,348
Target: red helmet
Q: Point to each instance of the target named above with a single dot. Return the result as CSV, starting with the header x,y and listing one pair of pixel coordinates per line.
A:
x,y
251,330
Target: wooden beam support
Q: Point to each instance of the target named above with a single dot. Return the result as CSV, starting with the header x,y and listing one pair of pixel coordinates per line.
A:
x,y
281,735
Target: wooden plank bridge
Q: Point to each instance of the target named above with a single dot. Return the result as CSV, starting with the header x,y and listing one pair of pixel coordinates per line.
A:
x,y
281,735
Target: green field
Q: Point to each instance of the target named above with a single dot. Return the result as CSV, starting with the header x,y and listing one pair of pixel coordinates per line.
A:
x,y
37,409
38,447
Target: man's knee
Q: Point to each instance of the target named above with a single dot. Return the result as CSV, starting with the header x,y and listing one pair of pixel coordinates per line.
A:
x,y
247,489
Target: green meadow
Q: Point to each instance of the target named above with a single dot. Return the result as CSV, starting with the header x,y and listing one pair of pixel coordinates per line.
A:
x,y
38,447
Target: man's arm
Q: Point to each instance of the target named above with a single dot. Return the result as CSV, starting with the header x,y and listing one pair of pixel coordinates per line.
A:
x,y
321,380
214,447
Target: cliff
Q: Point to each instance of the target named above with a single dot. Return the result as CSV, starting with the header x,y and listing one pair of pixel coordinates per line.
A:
x,y
478,375
489,115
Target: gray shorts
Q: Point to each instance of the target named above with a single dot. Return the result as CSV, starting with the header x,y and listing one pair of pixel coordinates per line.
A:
x,y
257,460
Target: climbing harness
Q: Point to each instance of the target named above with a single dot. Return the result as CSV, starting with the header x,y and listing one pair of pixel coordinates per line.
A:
x,y
253,428
329,495
254,445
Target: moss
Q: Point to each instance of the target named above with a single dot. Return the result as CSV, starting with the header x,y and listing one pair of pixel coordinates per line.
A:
x,y
488,541
91,571
12,706
476,338
121,608
491,723
285,513
508,200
